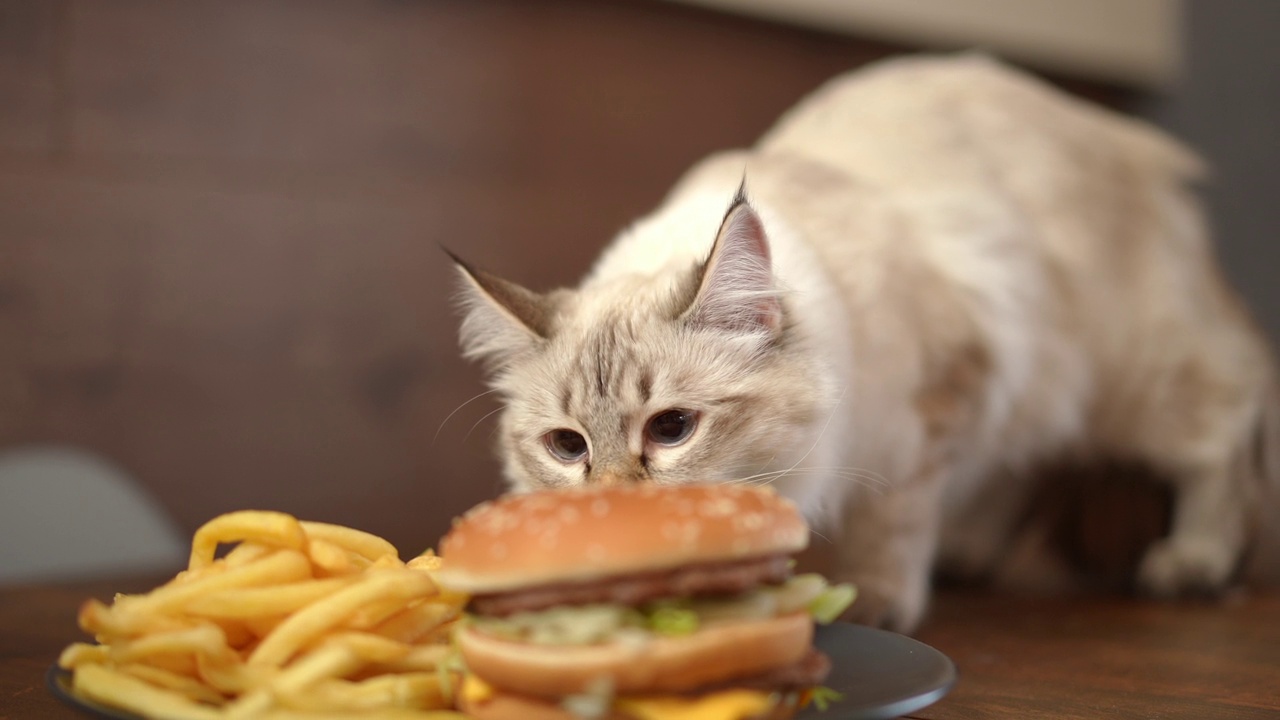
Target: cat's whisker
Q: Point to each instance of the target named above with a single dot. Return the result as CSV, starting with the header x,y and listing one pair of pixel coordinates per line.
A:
x,y
764,478
455,412
866,481
881,479
746,479
871,480
826,424
870,475
828,468
477,424
824,537
768,462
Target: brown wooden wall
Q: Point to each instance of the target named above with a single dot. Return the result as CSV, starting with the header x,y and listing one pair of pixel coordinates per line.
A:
x,y
219,221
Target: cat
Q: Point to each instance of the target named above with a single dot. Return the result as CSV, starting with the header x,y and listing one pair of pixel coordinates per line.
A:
x,y
930,275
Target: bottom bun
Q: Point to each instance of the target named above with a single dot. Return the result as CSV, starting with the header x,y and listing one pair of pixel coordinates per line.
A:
x,y
661,665
504,706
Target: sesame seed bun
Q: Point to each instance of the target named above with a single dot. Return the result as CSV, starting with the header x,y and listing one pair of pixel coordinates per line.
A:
x,y
658,665
538,538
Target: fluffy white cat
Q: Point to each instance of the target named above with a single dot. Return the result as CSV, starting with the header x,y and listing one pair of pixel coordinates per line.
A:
x,y
929,276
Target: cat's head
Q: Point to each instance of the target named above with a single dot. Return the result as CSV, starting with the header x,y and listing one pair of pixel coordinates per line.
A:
x,y
691,375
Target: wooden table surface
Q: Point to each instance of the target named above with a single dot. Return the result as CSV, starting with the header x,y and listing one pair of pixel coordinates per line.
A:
x,y
1023,658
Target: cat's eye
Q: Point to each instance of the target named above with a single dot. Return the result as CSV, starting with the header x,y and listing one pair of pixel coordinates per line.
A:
x,y
671,427
566,445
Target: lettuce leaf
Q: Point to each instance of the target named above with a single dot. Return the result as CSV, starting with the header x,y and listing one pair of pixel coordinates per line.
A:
x,y
832,602
673,620
823,696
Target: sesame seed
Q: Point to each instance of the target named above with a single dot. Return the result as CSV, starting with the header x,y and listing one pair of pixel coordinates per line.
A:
x,y
719,507
690,532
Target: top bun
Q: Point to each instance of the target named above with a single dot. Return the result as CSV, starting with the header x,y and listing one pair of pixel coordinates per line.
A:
x,y
584,534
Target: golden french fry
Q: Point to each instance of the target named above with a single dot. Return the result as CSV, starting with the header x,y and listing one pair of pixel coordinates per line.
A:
x,y
106,622
267,600
114,688
387,562
419,691
237,632
428,561
383,714
232,678
184,664
279,567
265,625
367,545
333,559
276,529
369,647
245,552
437,636
190,574
332,660
207,639
375,613
418,620
77,654
188,686
316,617
419,658
326,695
251,704
306,625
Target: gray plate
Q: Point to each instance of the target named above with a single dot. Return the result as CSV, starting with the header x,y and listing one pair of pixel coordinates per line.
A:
x,y
881,675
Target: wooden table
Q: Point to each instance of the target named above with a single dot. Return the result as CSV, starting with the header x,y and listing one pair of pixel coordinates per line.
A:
x,y
1023,658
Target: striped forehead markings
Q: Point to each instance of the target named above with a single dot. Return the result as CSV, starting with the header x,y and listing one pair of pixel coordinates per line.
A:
x,y
645,385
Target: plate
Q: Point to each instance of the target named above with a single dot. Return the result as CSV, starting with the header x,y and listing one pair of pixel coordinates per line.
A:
x,y
59,682
881,675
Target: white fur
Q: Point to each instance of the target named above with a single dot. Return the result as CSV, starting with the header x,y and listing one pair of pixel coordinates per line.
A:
x,y
979,274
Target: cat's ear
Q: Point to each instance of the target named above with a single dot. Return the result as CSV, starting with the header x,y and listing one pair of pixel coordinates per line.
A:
x,y
500,319
736,291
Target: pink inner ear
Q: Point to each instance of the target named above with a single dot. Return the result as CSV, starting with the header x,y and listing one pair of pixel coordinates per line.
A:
x,y
737,290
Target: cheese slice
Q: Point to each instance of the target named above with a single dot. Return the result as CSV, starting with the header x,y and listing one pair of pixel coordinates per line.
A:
x,y
725,705
474,690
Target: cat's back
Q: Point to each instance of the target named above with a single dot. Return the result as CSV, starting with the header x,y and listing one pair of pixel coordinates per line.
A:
x,y
928,122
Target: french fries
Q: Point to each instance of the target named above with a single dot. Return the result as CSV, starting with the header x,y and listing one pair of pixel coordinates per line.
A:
x,y
300,619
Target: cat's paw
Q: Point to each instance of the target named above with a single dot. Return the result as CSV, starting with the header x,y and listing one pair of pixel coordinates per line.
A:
x,y
1176,567
890,608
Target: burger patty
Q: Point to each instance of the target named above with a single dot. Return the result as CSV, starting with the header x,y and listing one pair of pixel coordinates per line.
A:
x,y
722,578
805,673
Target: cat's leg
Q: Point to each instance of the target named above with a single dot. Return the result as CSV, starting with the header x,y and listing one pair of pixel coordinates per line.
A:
x,y
1204,438
1207,536
886,548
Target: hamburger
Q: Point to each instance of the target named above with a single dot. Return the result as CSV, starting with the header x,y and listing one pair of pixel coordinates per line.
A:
x,y
637,603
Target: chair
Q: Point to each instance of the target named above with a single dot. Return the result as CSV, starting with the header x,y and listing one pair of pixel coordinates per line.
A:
x,y
67,514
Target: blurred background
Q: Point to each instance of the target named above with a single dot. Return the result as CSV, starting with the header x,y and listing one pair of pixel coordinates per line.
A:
x,y
221,282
